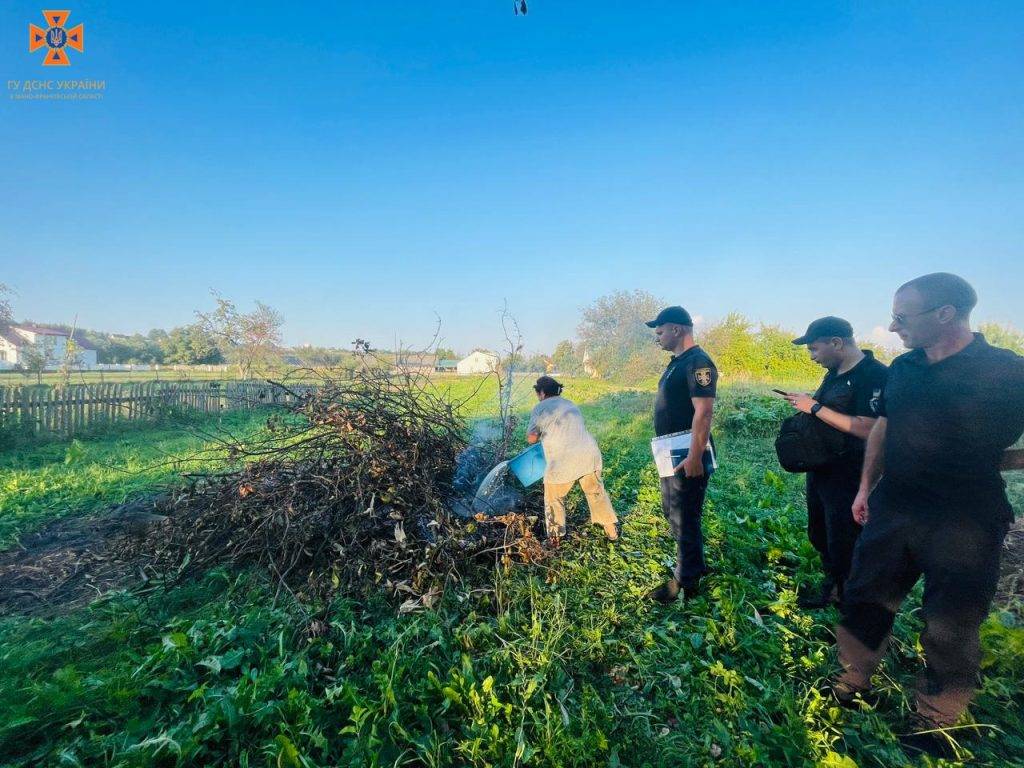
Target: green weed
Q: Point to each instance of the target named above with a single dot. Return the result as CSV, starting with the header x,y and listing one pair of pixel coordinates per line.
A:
x,y
558,664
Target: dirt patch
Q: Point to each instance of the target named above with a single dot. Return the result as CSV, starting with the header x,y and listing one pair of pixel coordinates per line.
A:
x,y
72,561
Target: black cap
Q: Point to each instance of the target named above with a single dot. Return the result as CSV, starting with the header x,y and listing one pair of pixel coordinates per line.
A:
x,y
671,315
826,328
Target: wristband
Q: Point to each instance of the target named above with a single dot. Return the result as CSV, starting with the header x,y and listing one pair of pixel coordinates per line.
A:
x,y
815,408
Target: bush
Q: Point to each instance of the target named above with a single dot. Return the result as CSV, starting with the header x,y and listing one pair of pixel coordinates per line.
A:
x,y
742,350
753,415
14,433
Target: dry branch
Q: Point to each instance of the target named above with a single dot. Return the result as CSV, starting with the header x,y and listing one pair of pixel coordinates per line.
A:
x,y
351,486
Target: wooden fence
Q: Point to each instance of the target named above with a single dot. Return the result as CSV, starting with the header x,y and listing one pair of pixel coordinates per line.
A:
x,y
74,408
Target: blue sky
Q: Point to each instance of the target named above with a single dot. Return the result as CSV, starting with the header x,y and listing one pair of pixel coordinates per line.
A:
x,y
366,166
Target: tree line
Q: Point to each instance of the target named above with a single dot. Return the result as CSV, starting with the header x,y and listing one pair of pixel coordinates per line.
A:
x,y
613,343
224,334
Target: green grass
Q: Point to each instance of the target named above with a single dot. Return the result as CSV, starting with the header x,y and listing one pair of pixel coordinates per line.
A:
x,y
559,664
479,395
51,480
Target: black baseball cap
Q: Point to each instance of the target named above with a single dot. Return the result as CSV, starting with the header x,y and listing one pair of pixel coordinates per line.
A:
x,y
826,328
671,315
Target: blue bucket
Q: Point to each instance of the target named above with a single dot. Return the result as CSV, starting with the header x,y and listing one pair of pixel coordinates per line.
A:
x,y
528,466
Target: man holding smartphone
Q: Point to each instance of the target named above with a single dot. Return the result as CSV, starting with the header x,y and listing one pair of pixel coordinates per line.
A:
x,y
846,401
685,401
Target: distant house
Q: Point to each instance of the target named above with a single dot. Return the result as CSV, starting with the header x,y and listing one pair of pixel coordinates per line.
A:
x,y
446,366
476,362
418,363
15,340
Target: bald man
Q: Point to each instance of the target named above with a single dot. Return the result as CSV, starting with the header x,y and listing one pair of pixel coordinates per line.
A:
x,y
933,503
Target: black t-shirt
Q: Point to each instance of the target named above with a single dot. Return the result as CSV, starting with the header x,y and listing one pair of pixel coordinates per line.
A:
x,y
949,422
690,374
854,393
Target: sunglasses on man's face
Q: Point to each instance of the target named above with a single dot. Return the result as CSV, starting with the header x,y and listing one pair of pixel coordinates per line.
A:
x,y
900,318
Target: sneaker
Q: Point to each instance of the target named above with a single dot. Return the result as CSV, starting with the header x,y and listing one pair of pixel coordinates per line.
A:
x,y
826,596
926,737
666,593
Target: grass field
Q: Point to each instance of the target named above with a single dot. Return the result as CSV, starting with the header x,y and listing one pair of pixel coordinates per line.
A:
x,y
560,664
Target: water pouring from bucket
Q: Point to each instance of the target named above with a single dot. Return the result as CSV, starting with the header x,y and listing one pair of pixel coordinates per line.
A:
x,y
495,496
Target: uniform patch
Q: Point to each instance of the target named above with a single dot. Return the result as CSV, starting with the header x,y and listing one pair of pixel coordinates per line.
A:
x,y
703,376
875,402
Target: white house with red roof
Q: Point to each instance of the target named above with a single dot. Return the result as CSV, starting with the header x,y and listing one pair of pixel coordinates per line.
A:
x,y
16,339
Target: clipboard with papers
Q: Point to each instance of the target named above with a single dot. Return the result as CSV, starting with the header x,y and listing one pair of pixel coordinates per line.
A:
x,y
670,450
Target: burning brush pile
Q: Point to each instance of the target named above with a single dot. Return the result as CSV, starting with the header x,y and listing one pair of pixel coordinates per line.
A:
x,y
350,488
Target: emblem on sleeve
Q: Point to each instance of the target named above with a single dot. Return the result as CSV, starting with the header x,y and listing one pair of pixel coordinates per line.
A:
x,y
703,376
875,401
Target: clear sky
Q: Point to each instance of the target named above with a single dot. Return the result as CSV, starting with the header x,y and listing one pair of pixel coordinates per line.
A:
x,y
365,166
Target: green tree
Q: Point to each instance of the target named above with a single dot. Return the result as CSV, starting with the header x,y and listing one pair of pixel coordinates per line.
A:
x,y
323,357
781,359
733,345
34,359
617,343
884,354
136,349
1005,336
250,338
6,313
566,359
446,353
190,345
537,363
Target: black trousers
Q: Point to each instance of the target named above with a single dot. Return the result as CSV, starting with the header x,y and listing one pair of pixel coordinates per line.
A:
x,y
957,551
830,524
682,501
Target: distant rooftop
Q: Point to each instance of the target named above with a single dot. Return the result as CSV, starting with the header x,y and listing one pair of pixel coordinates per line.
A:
x,y
41,330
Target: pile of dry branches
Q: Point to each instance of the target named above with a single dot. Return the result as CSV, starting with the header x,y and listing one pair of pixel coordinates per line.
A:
x,y
351,486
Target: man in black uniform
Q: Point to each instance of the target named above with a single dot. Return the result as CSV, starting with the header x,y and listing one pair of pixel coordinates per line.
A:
x,y
933,502
847,401
685,401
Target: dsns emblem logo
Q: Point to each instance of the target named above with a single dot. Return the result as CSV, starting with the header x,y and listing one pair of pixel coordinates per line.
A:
x,y
56,39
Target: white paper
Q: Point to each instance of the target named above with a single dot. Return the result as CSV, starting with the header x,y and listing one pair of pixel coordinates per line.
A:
x,y
668,450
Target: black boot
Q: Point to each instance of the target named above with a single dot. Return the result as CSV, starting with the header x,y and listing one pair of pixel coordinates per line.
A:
x,y
666,593
692,590
826,596
847,695
926,737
